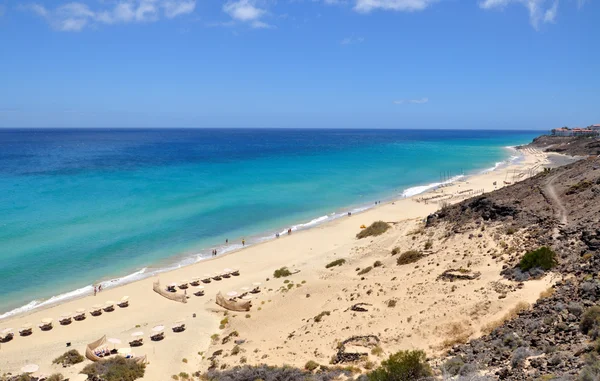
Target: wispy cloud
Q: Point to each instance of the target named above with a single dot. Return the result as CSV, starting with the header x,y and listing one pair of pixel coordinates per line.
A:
x,y
248,12
352,40
411,101
366,6
75,16
540,11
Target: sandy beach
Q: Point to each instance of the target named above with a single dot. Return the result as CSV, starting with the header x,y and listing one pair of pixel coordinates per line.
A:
x,y
280,327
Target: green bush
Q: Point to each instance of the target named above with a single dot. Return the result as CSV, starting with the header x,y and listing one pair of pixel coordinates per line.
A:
x,y
543,258
410,256
453,365
365,270
115,369
402,366
591,370
71,357
282,272
311,365
56,377
377,264
337,262
590,320
395,250
375,229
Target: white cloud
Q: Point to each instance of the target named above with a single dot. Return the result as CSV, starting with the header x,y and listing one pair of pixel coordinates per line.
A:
x,y
75,16
352,40
540,11
243,10
248,12
176,8
550,14
411,101
366,6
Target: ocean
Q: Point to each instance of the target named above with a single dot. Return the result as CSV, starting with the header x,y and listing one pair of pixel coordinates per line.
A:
x,y
82,206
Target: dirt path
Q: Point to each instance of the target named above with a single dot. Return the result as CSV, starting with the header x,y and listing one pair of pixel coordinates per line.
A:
x,y
560,210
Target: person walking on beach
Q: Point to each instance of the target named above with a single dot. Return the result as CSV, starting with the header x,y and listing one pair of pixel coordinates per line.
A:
x,y
243,242
95,290
226,240
99,288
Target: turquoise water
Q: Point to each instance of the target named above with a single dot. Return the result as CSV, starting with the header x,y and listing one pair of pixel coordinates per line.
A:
x,y
83,206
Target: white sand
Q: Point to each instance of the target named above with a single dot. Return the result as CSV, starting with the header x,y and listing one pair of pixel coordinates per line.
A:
x,y
430,304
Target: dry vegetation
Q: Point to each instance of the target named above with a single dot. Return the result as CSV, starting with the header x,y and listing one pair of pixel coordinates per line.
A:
x,y
489,327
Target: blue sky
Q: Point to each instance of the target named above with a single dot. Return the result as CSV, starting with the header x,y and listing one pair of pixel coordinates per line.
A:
x,y
531,64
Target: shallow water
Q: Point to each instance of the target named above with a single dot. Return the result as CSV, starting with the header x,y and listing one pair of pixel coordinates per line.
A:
x,y
80,206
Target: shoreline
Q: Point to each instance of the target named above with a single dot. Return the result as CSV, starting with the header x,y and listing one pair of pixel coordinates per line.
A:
x,y
306,251
182,261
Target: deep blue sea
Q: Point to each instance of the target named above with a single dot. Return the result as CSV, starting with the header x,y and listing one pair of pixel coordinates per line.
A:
x,y
83,206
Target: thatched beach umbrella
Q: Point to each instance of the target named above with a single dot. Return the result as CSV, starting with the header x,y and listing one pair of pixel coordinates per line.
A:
x,y
26,326
6,331
232,293
158,328
137,334
47,320
114,341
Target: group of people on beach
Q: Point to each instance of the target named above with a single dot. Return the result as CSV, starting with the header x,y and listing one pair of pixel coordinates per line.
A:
x,y
97,289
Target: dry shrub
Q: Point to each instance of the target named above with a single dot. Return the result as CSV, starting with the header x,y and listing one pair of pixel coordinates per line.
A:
x,y
486,329
547,293
375,229
410,256
456,333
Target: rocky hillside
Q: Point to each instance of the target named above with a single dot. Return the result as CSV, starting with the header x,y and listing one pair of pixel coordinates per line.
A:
x,y
574,146
560,209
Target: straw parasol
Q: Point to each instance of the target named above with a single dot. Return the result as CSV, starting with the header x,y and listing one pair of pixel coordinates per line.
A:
x,y
199,287
47,320
97,307
245,288
6,331
158,328
125,298
66,315
26,326
137,334
114,341
256,284
110,303
207,275
30,368
227,270
80,310
232,293
183,281
124,351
